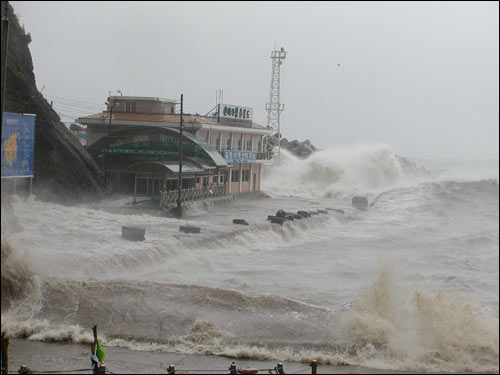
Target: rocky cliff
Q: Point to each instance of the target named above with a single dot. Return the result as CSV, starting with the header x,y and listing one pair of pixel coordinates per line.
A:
x,y
63,170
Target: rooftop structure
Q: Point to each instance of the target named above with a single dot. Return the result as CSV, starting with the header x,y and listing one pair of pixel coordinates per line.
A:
x,y
140,104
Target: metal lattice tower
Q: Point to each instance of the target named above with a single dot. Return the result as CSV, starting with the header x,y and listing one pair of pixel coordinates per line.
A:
x,y
274,107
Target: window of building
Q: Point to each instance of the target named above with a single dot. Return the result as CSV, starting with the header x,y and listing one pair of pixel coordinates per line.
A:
x,y
229,143
221,179
205,181
245,177
130,107
249,145
214,142
239,144
235,176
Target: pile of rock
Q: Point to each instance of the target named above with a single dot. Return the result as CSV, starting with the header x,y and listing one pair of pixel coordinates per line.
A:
x,y
410,168
282,216
300,149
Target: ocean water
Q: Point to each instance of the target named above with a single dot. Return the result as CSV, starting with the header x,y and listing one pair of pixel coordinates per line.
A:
x,y
410,284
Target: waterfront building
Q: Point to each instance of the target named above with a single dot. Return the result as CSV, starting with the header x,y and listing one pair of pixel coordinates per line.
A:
x,y
136,140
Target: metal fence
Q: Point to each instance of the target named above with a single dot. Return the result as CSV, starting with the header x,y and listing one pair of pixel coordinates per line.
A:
x,y
170,197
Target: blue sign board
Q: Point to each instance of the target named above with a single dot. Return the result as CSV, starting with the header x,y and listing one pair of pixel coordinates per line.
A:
x,y
18,145
234,156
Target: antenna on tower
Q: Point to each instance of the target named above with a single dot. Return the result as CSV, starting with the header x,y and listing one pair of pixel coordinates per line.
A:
x,y
274,107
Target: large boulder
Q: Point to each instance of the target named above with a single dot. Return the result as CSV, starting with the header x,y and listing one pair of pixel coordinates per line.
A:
x,y
410,168
293,144
305,149
360,203
300,149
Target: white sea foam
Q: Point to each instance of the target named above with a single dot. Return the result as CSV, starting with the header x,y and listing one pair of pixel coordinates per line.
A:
x,y
337,172
422,332
462,170
385,328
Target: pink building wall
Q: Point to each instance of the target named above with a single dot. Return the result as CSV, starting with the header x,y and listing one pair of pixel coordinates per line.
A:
x,y
225,136
245,186
203,134
252,185
256,177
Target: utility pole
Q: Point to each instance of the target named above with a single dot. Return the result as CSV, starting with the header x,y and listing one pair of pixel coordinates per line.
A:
x,y
110,117
179,183
220,95
109,132
105,157
5,55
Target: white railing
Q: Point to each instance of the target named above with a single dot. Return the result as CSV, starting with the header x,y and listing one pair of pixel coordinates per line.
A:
x,y
170,197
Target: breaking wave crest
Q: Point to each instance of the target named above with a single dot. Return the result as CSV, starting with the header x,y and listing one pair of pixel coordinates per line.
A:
x,y
422,333
18,280
387,328
267,235
77,241
340,171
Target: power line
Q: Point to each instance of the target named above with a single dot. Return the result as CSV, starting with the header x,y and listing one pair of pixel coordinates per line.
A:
x,y
67,115
70,111
63,95
78,111
72,100
77,106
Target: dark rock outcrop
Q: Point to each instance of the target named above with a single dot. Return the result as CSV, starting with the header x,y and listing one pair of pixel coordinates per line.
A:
x,y
240,221
304,214
410,168
63,169
300,149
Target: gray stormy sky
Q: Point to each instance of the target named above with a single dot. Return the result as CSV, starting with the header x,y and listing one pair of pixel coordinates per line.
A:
x,y
420,76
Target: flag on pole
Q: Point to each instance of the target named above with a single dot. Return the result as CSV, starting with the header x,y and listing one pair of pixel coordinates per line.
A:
x,y
100,351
